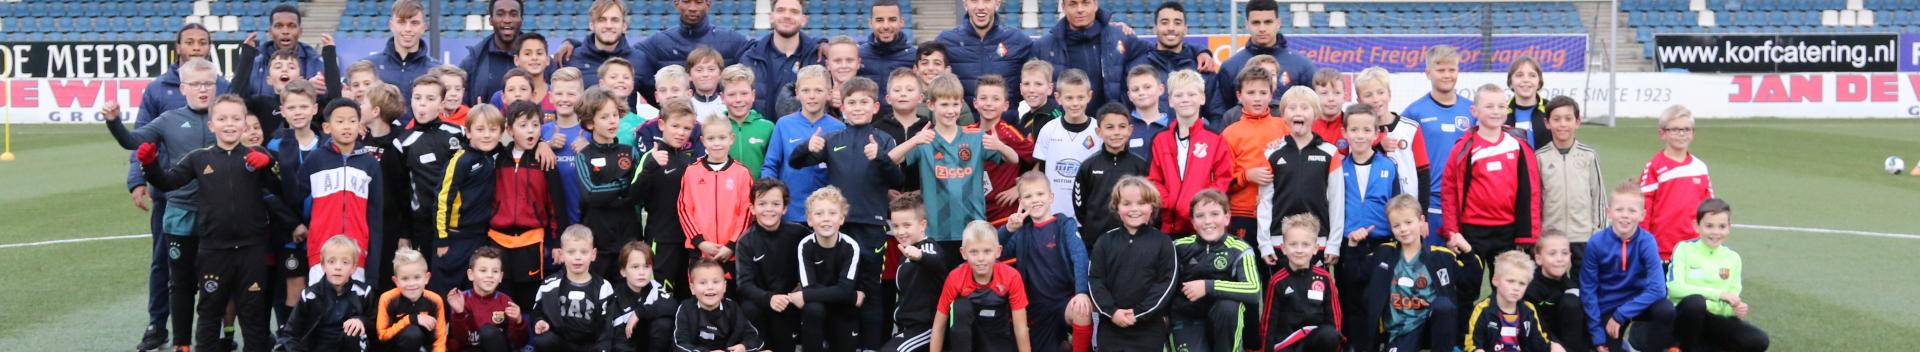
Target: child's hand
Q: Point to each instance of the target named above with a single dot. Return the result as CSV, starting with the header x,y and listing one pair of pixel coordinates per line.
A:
x,y
991,142
660,157
1613,329
540,327
779,303
1272,259
1600,348
859,298
815,143
1459,243
923,137
1730,298
798,299
545,157
300,233
326,40
1354,238
1740,309
631,321
455,302
1194,289
1007,197
513,311
579,145
406,243
353,327
111,111
559,141
1555,347
1018,219
1080,308
1123,318
909,251
873,148
253,40
1389,144
1260,176
426,320
440,252
737,348
1330,258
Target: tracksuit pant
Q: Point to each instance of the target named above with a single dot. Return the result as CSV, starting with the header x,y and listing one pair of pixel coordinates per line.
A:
x,y
909,339
828,327
875,323
183,285
1566,321
671,258
1209,325
1317,338
777,328
982,321
1047,327
158,296
450,269
1652,330
1695,329
237,276
1440,332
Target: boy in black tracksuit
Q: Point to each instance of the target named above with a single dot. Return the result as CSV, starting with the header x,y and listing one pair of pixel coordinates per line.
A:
x,y
657,188
765,268
650,308
1303,304
428,149
319,322
576,307
829,263
1093,186
1132,270
463,202
709,321
922,273
864,176
605,204
231,224
1562,315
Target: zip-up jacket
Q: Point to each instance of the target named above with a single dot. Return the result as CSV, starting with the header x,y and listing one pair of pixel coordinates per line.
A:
x,y
587,57
1674,189
1000,51
1441,126
606,207
764,268
175,133
1100,50
791,133
1093,187
162,95
773,70
397,312
232,212
1247,140
487,66
428,149
396,218
1031,121
1295,70
920,282
1133,271
1544,292
463,203
315,324
714,204
671,46
1225,264
653,308
261,99
578,313
1573,198
878,59
308,57
391,66
1490,329
1531,121
750,140
697,329
1492,183
657,188
1376,271
1411,149
1384,178
1306,179
1033,247
1297,299
1208,164
864,182
828,275
340,190
1706,271
525,198
479,313
1622,276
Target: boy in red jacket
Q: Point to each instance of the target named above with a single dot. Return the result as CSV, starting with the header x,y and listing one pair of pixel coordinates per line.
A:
x,y
1674,182
713,197
485,319
1490,190
1187,157
526,205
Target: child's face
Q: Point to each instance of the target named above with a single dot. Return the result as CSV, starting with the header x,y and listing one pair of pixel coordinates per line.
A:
x,y
426,103
525,132
1678,133
738,96
1490,108
1035,87
228,122
931,66
1526,81
485,274
670,90
946,111
1408,226
576,255
251,135
768,208
1254,98
619,79
411,278
1036,198
1330,98
717,140
1563,123
843,61
638,271
1553,255
903,94
676,130
1361,130
565,95
1443,75
990,101
484,136
858,108
1714,228
338,266
1134,209
1114,130
517,89
1509,285
359,82
825,218
908,226
705,76
1299,115
812,93
709,286
298,110
1299,246
980,256
344,125
1624,210
605,123
1074,98
1186,101
455,89
532,57
1143,91
1210,220
281,71
1376,95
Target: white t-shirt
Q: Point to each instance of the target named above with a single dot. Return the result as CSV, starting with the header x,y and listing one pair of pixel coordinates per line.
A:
x,y
1063,151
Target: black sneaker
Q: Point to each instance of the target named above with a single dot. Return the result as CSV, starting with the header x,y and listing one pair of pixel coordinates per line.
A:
x,y
153,339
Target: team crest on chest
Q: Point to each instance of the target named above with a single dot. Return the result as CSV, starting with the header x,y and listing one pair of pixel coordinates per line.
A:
x,y
966,154
1200,150
1002,50
625,162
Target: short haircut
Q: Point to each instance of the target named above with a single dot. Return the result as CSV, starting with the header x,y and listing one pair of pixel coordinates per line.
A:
x,y
1512,263
1442,54
1301,95
909,203
1712,206
362,66
326,113
1405,203
1372,77
904,73
289,55
1263,5
340,243
592,100
620,61
812,72
1211,196
860,85
518,72
979,232
520,110
672,73
1327,77
1148,193
601,6
1525,61
928,48
677,109
1630,188
738,73
946,87
1359,109
568,74
1547,234
228,98
407,8
1674,112
429,80
627,251
386,97
446,70
298,87
1035,177
287,8
770,184
182,33
716,123
485,252
1563,101
490,3
704,264
1254,76
1489,88
1301,221
1038,66
520,42
485,115
577,233
705,54
1169,5
1144,70
885,3
989,80
407,255
1186,79
840,40
1111,108
1073,77
199,64
829,194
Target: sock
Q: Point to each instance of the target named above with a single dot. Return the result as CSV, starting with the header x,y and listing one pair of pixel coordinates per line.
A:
x,y
226,332
1082,338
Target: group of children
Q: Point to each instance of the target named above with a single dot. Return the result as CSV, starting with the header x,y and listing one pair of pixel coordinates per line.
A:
x,y
564,218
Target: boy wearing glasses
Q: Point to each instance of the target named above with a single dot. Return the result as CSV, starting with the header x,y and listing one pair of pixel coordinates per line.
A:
x,y
1674,183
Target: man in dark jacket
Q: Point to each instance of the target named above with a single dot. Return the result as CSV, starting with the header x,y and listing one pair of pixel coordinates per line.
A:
x,y
285,33
671,46
1263,23
489,60
1170,51
1082,39
887,48
404,58
608,21
776,58
982,46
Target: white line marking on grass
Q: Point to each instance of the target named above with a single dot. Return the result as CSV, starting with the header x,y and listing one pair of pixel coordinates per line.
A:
x,y
1830,231
73,240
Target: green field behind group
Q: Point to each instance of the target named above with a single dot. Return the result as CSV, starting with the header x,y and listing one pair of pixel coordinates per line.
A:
x,y
1811,291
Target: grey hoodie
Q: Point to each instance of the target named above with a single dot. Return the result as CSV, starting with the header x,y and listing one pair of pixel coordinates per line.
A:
x,y
177,132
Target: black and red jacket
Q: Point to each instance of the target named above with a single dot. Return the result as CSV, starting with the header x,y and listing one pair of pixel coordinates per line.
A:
x,y
1492,183
525,198
1297,299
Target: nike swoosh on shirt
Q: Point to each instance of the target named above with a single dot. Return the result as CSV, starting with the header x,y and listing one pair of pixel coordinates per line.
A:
x,y
837,149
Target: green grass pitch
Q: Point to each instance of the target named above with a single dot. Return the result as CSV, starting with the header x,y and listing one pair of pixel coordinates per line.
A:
x,y
1811,291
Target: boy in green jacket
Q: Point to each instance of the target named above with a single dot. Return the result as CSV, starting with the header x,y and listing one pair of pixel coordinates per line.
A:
x,y
1705,288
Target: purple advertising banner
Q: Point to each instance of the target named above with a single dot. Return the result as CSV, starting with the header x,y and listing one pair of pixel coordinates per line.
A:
x,y
1909,52
1406,53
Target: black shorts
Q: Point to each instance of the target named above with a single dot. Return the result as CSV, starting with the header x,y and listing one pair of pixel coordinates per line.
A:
x,y
293,260
525,264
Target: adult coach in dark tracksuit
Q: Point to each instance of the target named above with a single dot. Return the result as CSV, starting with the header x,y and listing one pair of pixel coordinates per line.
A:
x,y
488,60
1082,39
1263,25
608,39
887,48
671,46
1170,50
405,57
776,58
981,46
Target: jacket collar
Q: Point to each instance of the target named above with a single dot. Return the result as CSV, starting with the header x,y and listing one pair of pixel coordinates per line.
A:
x,y
620,47
1066,34
695,31
418,56
900,43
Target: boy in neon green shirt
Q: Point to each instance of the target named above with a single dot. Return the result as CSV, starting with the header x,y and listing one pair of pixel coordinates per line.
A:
x,y
1705,288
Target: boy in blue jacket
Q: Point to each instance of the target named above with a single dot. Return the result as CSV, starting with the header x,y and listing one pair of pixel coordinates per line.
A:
x,y
792,133
1622,283
1050,255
